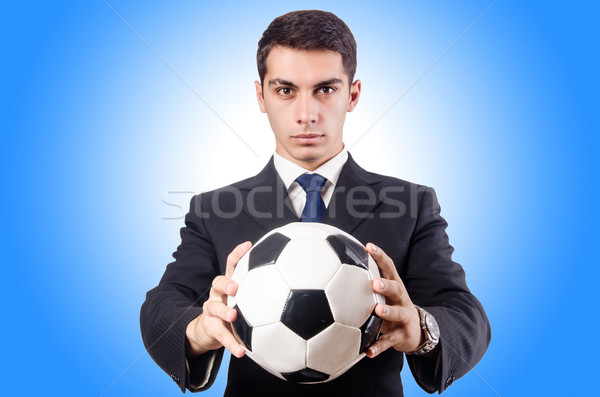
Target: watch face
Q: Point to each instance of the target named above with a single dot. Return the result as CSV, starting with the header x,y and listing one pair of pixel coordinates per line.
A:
x,y
432,326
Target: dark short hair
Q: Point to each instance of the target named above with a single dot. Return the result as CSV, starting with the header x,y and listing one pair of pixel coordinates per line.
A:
x,y
308,30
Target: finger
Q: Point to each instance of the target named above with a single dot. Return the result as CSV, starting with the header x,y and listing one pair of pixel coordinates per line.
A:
x,y
219,309
226,338
383,343
393,289
394,313
235,256
384,262
221,286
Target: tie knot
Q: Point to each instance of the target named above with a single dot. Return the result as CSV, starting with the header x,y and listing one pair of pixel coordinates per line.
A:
x,y
311,182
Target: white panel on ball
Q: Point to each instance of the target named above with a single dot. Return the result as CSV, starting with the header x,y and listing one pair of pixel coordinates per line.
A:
x,y
240,270
351,308
263,364
347,367
328,351
238,276
262,296
316,231
308,264
277,345
374,274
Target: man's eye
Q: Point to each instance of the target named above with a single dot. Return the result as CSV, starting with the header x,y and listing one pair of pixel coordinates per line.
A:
x,y
326,90
284,91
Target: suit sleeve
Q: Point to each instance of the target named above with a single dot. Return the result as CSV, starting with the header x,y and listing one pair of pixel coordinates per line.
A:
x,y
177,300
437,283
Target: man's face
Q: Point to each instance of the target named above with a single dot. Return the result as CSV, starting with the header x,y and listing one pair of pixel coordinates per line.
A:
x,y
306,95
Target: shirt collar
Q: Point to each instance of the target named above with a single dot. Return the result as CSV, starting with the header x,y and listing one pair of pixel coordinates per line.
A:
x,y
289,171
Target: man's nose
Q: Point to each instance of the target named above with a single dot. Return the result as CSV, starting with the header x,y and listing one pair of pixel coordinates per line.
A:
x,y
307,109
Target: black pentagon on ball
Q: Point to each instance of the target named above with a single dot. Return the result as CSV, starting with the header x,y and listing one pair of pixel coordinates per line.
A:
x,y
349,251
369,331
307,312
306,375
267,251
242,329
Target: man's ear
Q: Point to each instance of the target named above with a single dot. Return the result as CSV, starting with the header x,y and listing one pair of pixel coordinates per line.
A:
x,y
354,95
259,97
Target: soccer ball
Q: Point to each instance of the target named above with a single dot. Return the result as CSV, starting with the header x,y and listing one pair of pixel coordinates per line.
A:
x,y
305,303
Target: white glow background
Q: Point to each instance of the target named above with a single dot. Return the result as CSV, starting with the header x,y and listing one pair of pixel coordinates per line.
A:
x,y
106,132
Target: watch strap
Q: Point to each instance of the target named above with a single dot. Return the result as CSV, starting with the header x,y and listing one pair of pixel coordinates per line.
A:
x,y
432,336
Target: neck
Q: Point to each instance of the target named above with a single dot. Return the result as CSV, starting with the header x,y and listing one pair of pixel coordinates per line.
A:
x,y
308,164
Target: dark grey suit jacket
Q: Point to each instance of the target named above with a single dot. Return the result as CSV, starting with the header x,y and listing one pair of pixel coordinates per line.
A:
x,y
400,217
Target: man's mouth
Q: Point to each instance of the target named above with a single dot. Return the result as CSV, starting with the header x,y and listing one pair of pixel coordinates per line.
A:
x,y
307,139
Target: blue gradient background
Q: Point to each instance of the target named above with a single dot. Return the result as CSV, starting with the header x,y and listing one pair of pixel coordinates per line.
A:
x,y
103,143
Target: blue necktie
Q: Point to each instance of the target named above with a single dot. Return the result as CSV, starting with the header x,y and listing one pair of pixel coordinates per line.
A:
x,y
314,209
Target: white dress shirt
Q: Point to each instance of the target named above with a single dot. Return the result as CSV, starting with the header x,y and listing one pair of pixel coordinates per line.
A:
x,y
288,172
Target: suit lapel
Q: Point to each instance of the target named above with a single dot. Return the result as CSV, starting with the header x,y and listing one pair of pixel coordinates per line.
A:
x,y
354,197
266,200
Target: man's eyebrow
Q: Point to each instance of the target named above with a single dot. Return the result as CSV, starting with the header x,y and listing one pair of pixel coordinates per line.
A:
x,y
282,82
332,81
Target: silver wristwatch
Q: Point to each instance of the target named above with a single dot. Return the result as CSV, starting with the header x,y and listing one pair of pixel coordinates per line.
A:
x,y
431,331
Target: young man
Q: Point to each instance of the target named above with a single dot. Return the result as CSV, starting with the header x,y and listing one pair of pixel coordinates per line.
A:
x,y
306,62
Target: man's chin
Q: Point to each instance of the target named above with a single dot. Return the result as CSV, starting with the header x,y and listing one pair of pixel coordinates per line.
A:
x,y
312,160
308,155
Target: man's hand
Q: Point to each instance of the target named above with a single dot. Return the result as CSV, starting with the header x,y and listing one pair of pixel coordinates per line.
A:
x,y
402,325
212,329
